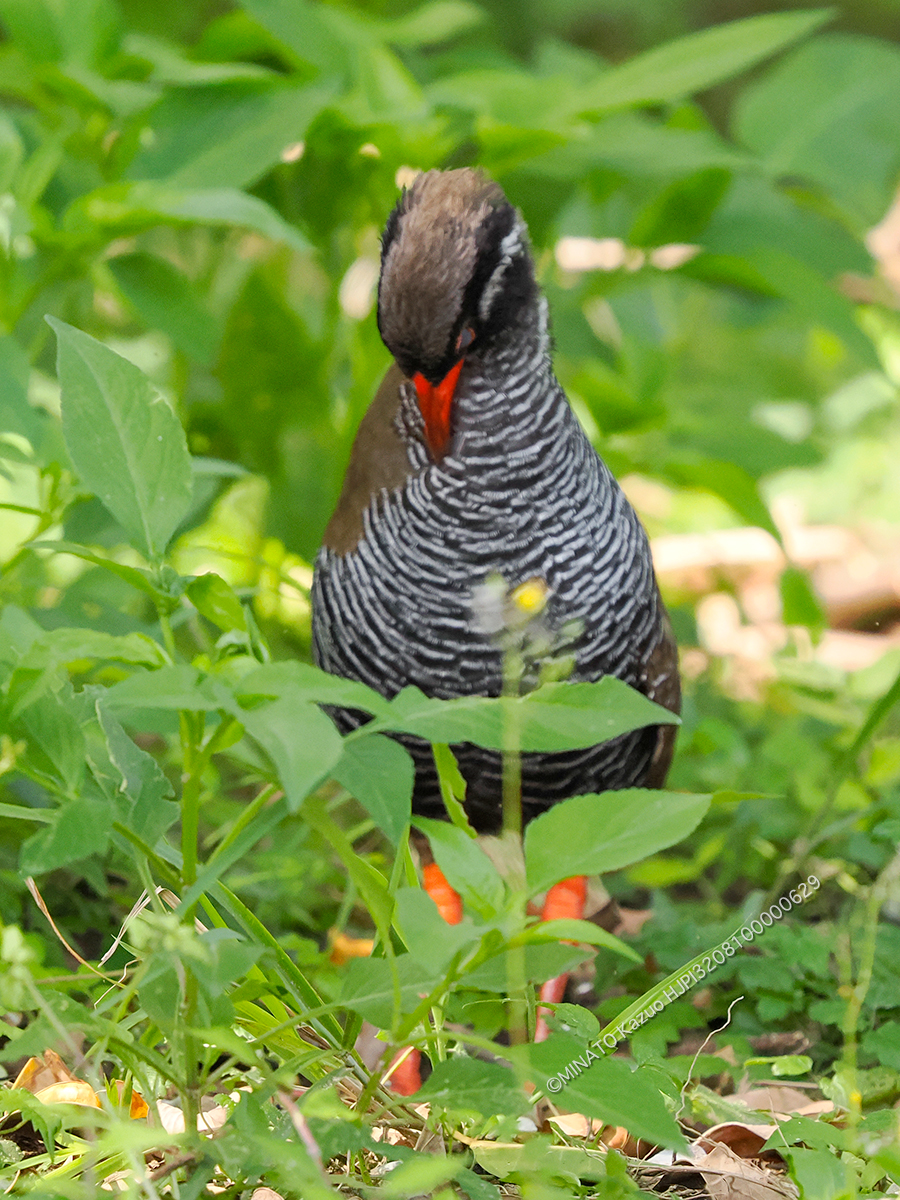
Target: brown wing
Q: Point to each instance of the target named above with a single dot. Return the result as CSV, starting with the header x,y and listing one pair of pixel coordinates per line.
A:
x,y
378,461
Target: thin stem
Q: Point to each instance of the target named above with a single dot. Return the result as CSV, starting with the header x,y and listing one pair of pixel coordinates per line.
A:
x,y
513,669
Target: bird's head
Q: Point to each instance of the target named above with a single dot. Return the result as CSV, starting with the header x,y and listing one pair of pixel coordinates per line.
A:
x,y
456,279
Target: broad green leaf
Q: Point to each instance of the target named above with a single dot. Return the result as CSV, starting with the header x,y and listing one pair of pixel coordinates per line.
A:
x,y
171,687
557,716
16,414
368,987
128,208
466,866
697,61
143,791
423,1175
313,33
215,599
539,1159
601,1087
431,942
81,829
126,443
572,930
463,1084
543,961
843,96
726,479
379,773
299,738
165,299
814,297
55,737
136,576
566,716
305,682
225,135
587,835
62,647
433,22
820,1173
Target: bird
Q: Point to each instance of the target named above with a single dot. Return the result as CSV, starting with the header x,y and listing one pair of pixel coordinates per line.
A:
x,y
469,465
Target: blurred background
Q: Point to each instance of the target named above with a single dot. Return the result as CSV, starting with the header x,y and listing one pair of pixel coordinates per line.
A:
x,y
202,186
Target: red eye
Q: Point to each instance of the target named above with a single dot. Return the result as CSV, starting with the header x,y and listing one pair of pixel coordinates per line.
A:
x,y
465,340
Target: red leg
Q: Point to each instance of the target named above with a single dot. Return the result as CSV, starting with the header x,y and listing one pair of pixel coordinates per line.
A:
x,y
405,1078
449,905
565,899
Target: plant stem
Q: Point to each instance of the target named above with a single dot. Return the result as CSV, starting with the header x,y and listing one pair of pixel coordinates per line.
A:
x,y
513,667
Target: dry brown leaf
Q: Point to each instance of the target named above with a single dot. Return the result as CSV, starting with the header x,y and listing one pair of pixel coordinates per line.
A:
x,y
883,243
264,1193
575,1125
41,1072
344,948
212,1116
782,1100
741,1138
72,1091
729,1177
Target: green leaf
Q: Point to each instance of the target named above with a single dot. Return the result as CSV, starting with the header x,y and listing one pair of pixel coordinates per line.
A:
x,y
799,603
697,61
136,576
557,716
543,960
379,773
539,1160
567,716
437,21
165,299
605,1088
143,791
225,135
171,687
131,207
453,787
63,647
467,1085
368,987
814,297
215,599
572,930
587,835
311,32
126,443
819,1173
299,738
843,95
16,414
466,866
370,882
56,741
431,942
305,682
81,829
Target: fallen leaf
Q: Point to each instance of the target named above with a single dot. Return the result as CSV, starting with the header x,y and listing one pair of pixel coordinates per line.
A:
x,y
729,1177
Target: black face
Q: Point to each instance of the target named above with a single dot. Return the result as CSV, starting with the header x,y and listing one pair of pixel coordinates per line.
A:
x,y
456,277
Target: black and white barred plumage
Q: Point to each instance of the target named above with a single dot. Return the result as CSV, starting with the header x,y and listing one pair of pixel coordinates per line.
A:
x,y
518,491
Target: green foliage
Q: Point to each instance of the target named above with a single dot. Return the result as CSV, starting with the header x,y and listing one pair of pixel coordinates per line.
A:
x,y
197,219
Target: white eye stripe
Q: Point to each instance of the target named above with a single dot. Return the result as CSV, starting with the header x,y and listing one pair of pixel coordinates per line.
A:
x,y
510,248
